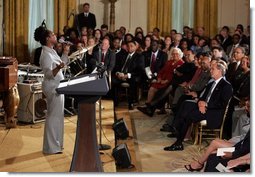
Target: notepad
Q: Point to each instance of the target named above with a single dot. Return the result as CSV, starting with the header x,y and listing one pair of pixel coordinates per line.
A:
x,y
221,151
76,81
222,168
148,72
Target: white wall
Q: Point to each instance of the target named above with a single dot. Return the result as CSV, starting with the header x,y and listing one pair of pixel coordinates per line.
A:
x,y
133,13
128,13
233,12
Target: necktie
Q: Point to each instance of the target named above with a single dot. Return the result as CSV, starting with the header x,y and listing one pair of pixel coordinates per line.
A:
x,y
126,64
208,96
153,62
86,14
102,59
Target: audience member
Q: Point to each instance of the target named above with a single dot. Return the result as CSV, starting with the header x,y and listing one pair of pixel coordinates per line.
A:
x,y
130,73
105,55
198,165
164,78
210,106
86,18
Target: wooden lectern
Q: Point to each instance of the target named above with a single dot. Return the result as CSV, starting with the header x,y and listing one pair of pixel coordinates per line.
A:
x,y
87,89
8,86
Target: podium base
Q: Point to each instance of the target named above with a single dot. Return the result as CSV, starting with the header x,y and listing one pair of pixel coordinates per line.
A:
x,y
103,147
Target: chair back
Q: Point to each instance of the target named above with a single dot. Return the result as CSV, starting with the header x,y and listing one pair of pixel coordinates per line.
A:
x,y
224,118
201,129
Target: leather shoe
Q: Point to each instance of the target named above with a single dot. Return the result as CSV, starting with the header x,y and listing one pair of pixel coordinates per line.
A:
x,y
174,147
162,111
165,130
172,135
168,128
145,110
131,106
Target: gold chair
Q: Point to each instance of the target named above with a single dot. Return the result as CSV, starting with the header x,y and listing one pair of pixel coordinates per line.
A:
x,y
202,131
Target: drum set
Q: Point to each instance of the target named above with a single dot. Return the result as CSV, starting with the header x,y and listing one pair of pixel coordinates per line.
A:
x,y
76,66
29,73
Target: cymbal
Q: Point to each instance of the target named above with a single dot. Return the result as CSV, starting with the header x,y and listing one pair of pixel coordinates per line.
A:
x,y
78,52
28,67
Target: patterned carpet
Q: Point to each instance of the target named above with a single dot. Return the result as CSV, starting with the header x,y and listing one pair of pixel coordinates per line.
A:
x,y
150,143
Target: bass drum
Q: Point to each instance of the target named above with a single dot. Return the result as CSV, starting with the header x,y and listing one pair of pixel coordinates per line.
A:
x,y
76,67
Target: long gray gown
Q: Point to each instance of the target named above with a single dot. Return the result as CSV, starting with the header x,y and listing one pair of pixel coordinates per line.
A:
x,y
54,124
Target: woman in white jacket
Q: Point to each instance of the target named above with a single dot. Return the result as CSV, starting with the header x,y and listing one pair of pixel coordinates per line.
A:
x,y
52,65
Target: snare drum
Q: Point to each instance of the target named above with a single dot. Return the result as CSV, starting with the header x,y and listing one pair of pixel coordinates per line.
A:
x,y
76,67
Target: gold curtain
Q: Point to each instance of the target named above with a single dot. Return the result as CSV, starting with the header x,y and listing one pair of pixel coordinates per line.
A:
x,y
16,29
62,8
160,15
206,15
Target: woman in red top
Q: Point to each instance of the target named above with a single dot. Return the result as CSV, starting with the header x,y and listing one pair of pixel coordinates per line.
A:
x,y
165,75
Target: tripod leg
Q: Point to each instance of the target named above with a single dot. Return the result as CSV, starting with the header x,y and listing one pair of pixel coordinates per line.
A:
x,y
69,112
102,107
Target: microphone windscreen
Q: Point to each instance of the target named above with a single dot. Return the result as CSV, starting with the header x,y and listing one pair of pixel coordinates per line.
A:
x,y
62,41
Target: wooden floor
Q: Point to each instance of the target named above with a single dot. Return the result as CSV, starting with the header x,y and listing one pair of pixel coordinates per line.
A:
x,y
20,148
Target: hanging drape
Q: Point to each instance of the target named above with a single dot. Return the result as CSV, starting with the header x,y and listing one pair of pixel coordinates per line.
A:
x,y
62,10
182,14
206,15
38,12
160,15
16,29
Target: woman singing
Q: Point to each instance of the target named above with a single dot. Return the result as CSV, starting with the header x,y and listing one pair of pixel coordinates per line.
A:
x,y
52,65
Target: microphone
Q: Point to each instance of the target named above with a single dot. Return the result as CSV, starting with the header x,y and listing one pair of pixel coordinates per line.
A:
x,y
62,41
100,67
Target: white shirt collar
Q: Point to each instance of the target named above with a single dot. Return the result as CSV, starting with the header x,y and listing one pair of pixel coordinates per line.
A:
x,y
217,81
131,54
156,53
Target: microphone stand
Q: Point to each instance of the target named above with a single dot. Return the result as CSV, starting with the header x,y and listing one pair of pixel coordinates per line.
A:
x,y
102,147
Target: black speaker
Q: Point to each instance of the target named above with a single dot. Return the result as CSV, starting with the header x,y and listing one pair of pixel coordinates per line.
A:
x,y
120,129
122,156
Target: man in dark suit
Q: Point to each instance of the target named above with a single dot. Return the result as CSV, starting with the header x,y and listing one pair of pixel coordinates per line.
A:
x,y
86,19
155,58
130,73
227,39
210,106
120,53
105,56
231,48
37,55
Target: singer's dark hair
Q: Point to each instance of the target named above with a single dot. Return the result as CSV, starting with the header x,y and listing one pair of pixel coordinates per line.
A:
x,y
41,33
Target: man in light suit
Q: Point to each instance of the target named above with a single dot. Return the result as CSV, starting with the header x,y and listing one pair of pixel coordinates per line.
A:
x,y
86,18
210,106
